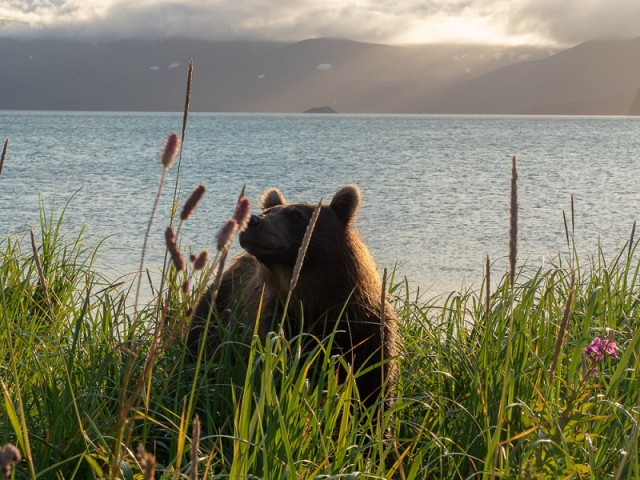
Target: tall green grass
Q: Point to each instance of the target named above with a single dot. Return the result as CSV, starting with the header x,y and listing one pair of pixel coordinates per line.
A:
x,y
494,383
74,355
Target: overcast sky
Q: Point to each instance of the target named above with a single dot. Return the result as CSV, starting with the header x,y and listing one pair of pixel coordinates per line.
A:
x,y
558,22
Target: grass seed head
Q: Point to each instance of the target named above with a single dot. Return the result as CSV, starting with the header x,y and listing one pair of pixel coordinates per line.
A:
x,y
200,260
242,213
148,462
226,233
192,202
513,227
4,153
172,248
170,151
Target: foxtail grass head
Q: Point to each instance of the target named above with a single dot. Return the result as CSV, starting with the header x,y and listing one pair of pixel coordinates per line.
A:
x,y
170,151
192,202
187,98
513,227
226,233
303,247
172,248
148,463
242,213
4,153
236,224
200,260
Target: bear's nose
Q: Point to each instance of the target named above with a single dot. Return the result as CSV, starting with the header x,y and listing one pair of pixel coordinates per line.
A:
x,y
253,221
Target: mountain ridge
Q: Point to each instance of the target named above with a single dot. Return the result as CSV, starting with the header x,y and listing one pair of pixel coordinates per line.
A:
x,y
599,77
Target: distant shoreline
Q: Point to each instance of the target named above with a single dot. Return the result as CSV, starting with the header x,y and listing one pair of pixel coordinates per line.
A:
x,y
195,111
599,77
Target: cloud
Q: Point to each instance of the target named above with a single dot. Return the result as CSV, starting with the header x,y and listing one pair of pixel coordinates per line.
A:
x,y
415,21
247,19
573,21
218,19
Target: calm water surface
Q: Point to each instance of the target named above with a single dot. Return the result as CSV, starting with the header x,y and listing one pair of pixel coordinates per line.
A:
x,y
436,189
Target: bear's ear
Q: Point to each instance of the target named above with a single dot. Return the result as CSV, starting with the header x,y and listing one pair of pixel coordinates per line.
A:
x,y
272,198
345,203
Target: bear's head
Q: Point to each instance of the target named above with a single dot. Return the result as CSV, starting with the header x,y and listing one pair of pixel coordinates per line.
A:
x,y
274,237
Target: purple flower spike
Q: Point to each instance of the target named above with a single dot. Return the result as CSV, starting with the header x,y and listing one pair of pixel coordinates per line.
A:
x,y
594,350
597,349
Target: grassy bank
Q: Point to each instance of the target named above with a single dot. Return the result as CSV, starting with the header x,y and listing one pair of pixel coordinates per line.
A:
x,y
535,375
510,385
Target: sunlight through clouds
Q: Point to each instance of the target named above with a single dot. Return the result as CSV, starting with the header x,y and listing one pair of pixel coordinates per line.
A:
x,y
442,28
385,21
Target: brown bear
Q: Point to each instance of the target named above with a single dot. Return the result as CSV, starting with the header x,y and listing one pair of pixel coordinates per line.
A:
x,y
338,289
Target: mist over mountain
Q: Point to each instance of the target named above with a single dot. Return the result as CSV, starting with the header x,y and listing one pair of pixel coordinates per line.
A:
x,y
350,77
594,78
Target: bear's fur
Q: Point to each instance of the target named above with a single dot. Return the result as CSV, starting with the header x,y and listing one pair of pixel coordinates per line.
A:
x,y
338,282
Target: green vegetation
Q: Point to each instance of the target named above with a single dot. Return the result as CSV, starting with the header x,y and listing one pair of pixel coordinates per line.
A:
x,y
93,388
536,377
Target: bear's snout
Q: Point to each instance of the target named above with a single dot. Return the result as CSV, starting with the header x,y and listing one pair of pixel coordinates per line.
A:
x,y
253,221
266,238
250,230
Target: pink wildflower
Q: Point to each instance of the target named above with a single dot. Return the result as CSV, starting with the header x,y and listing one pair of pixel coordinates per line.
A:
x,y
597,349
610,349
170,151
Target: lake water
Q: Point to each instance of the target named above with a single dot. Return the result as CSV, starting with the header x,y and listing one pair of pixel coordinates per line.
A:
x,y
436,188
